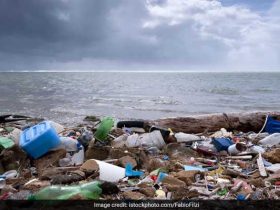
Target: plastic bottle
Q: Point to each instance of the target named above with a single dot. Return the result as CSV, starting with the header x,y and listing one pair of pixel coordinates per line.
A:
x,y
69,144
271,140
104,128
89,190
86,137
78,158
185,137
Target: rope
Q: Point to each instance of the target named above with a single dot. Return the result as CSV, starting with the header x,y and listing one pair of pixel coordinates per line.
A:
x,y
264,124
262,127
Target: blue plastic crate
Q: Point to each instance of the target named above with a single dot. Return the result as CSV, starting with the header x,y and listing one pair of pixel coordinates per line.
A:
x,y
39,139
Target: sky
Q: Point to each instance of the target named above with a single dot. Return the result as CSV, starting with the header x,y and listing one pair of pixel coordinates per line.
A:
x,y
191,35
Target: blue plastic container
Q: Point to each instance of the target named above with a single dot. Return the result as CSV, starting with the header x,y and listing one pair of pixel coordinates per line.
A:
x,y
39,139
272,126
222,143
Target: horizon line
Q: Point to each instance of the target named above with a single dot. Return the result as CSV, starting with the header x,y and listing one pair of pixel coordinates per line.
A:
x,y
137,71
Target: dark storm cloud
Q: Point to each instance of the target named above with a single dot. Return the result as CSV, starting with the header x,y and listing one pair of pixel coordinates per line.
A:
x,y
36,33
50,28
121,34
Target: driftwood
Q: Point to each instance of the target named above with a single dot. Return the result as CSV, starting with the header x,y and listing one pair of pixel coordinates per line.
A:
x,y
245,122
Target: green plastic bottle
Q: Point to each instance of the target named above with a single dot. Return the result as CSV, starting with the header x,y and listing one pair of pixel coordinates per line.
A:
x,y
104,128
88,191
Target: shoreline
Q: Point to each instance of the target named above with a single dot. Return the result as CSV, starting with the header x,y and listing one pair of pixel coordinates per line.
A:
x,y
172,155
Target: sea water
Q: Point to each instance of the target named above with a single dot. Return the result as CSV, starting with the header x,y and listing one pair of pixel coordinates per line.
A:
x,y
70,96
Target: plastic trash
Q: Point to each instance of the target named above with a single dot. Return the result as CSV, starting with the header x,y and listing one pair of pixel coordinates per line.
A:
x,y
222,143
15,135
85,138
67,161
6,143
165,157
129,172
271,140
241,197
160,194
58,127
256,149
75,159
261,166
184,137
89,190
69,144
78,157
119,141
222,192
10,174
206,150
146,140
222,133
137,130
194,168
273,167
272,125
153,150
222,181
253,136
161,176
257,195
266,163
164,132
236,148
109,172
2,183
39,139
104,128
12,118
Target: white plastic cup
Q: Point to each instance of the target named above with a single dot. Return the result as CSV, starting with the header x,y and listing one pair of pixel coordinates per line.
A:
x,y
109,172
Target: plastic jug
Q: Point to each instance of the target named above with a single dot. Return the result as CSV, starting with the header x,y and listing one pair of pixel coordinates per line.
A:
x,y
39,139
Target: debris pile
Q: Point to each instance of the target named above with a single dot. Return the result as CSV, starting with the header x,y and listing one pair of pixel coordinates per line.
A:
x,y
106,159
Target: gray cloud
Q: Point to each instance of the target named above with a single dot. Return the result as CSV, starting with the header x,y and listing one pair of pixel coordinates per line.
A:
x,y
125,34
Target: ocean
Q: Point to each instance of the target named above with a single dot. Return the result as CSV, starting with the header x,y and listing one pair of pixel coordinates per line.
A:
x,y
68,97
